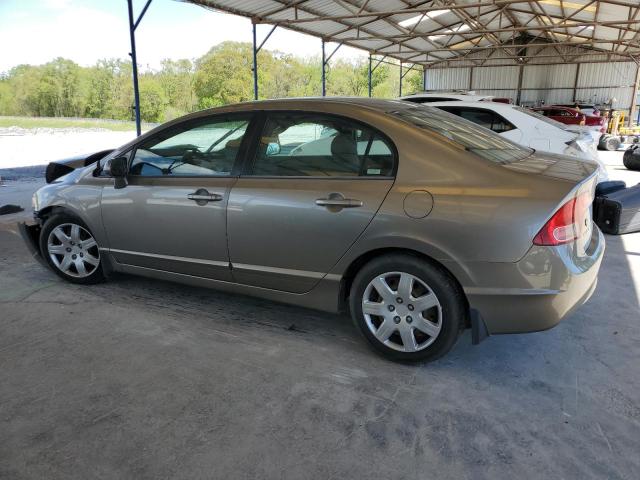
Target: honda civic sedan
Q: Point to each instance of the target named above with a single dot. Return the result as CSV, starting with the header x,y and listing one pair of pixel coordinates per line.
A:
x,y
416,221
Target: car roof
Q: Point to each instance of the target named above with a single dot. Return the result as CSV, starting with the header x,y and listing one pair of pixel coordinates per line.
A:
x,y
376,104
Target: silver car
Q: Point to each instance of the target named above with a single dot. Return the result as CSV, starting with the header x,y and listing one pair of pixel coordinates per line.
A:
x,y
418,222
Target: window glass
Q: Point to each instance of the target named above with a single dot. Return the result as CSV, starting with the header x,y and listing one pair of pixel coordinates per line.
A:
x,y
473,138
208,148
316,145
484,118
542,118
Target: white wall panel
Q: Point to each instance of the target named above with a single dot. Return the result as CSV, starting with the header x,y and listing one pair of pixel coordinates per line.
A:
x,y
546,76
536,97
495,78
613,74
549,83
448,79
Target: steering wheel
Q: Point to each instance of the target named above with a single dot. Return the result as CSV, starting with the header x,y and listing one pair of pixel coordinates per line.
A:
x,y
192,156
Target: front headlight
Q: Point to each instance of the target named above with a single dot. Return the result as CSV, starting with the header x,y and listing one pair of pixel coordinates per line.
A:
x,y
34,202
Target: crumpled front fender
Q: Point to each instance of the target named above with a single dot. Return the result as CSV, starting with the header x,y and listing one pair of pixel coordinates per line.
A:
x,y
31,236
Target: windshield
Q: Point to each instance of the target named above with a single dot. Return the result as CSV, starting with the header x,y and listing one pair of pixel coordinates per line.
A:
x,y
473,138
542,118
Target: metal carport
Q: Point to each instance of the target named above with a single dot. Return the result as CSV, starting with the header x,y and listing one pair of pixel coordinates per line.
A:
x,y
442,35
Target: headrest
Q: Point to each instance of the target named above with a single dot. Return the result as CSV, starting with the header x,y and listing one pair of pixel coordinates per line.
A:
x,y
235,143
344,144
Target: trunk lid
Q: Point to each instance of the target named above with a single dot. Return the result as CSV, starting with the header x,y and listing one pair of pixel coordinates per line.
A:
x,y
551,165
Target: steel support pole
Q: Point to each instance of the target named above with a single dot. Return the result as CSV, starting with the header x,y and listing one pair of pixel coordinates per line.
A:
x,y
634,98
424,78
136,91
324,65
255,65
370,75
519,89
400,86
575,83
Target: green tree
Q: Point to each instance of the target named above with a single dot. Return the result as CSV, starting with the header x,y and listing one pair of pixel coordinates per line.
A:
x,y
176,79
223,75
152,99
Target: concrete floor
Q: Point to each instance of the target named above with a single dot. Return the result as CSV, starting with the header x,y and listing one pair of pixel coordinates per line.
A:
x,y
145,379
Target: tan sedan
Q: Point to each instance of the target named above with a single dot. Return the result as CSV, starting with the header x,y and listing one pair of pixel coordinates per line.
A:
x,y
418,222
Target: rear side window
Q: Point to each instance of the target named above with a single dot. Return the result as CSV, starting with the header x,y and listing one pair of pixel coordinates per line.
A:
x,y
317,145
473,138
485,118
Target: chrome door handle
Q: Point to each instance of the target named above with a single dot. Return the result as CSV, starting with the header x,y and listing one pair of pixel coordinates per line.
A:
x,y
339,202
202,196
209,197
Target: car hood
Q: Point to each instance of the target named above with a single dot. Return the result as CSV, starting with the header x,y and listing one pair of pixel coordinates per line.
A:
x,y
59,168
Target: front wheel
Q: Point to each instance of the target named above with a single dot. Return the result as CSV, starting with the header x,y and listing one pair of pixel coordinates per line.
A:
x,y
71,250
407,308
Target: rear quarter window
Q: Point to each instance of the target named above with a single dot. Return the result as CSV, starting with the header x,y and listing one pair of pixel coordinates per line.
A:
x,y
473,138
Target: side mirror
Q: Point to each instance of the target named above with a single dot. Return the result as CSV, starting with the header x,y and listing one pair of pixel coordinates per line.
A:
x,y
118,170
273,148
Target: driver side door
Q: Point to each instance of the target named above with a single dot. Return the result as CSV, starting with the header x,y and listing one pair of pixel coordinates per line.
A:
x,y
172,214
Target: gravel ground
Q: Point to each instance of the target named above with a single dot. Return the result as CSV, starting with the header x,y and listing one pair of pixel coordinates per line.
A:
x,y
20,147
136,378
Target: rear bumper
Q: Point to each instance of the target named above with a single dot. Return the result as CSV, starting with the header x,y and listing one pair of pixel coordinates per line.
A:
x,y
548,284
31,235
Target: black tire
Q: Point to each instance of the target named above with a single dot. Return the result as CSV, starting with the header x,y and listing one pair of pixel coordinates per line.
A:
x,y
451,299
611,144
631,158
94,276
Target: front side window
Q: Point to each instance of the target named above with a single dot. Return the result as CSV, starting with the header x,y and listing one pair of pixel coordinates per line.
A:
x,y
473,138
316,145
207,148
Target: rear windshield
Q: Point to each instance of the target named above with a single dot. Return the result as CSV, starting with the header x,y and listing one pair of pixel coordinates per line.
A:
x,y
542,118
472,137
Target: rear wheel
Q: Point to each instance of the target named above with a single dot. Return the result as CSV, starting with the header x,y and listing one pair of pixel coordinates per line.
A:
x,y
70,249
408,309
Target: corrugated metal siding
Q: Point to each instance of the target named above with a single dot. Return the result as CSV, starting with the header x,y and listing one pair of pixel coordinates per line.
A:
x,y
537,97
599,83
613,74
495,78
547,76
448,79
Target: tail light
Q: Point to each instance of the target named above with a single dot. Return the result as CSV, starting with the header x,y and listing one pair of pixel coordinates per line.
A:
x,y
569,223
583,119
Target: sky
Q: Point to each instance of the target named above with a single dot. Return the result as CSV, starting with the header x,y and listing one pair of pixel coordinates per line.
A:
x,y
37,31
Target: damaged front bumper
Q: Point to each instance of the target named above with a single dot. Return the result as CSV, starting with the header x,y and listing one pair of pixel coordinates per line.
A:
x,y
30,233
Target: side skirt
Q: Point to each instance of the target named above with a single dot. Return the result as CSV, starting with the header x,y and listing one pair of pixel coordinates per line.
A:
x,y
323,297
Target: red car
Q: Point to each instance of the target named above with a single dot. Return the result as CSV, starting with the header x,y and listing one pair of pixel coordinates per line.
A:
x,y
572,116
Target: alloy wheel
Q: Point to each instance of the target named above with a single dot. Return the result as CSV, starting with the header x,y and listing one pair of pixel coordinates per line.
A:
x,y
402,312
73,250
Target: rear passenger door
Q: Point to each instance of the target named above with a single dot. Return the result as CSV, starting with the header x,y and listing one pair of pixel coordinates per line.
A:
x,y
315,183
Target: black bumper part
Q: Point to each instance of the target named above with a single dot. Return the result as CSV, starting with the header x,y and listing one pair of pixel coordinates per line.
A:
x,y
31,234
478,328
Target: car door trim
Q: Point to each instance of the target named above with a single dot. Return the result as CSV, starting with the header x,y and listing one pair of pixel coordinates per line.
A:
x,y
200,261
284,271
